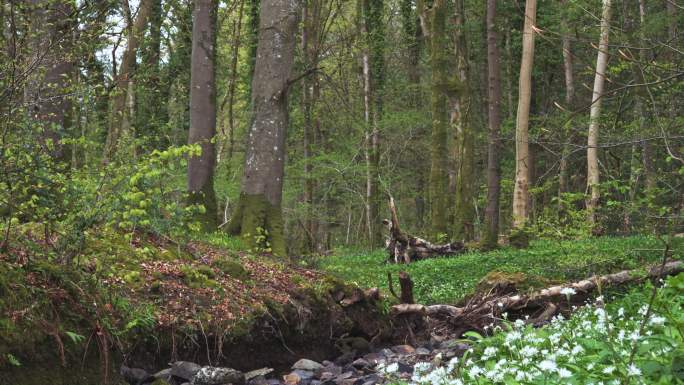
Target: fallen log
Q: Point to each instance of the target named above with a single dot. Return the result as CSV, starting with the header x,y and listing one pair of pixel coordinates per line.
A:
x,y
406,248
489,309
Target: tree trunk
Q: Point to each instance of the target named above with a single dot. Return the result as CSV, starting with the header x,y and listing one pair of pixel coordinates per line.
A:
x,y
435,17
374,73
237,35
203,111
310,92
119,116
491,230
259,214
464,137
412,33
569,101
521,189
594,116
47,90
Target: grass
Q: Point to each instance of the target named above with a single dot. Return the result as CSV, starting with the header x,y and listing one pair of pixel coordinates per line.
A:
x,y
448,280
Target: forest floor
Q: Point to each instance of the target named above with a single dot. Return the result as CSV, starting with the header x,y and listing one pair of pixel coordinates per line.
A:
x,y
210,299
547,262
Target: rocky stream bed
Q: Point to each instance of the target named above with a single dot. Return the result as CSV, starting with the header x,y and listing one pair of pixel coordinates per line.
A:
x,y
351,368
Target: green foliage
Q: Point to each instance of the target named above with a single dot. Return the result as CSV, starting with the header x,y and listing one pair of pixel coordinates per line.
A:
x,y
622,342
448,280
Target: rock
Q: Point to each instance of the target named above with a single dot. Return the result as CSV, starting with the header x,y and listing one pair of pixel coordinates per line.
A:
x,y
352,381
403,349
209,375
374,358
160,381
344,359
306,364
343,376
372,379
404,368
272,381
164,374
292,379
387,353
360,363
258,372
135,376
304,374
422,352
185,369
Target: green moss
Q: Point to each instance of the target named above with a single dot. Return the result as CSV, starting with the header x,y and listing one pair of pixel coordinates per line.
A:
x,y
260,224
198,276
231,268
520,238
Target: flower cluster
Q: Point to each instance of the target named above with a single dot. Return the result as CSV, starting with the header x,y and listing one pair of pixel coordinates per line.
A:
x,y
596,346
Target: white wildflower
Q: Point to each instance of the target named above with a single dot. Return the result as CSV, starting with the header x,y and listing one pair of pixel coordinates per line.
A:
x,y
568,291
548,366
657,321
564,373
608,369
391,368
632,370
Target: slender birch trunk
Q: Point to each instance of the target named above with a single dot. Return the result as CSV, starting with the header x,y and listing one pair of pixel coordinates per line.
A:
x,y
593,179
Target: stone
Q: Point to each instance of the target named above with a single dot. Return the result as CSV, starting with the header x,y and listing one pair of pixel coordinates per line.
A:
x,y
292,379
403,349
422,352
352,381
304,374
374,358
344,359
306,364
184,369
404,368
258,372
159,381
164,374
387,353
135,376
360,363
210,375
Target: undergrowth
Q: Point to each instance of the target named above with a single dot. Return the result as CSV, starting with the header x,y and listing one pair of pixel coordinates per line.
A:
x,y
448,280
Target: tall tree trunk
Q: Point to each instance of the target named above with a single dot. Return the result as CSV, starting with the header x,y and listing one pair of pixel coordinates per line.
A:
x,y
203,110
464,137
491,230
232,84
594,116
374,73
52,59
640,111
259,211
412,33
434,18
119,117
310,84
521,189
569,101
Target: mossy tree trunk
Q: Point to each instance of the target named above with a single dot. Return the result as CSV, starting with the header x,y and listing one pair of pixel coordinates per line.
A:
x,y
203,111
434,21
258,217
464,136
491,231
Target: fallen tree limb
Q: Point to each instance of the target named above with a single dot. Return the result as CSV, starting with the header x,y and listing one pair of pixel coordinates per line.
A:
x,y
486,310
406,248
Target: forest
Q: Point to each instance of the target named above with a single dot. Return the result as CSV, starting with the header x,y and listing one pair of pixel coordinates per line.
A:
x,y
341,192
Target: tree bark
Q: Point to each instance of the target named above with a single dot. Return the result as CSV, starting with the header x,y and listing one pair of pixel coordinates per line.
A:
x,y
374,73
435,18
521,189
594,116
52,60
119,116
203,111
259,210
412,33
464,137
569,101
491,230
